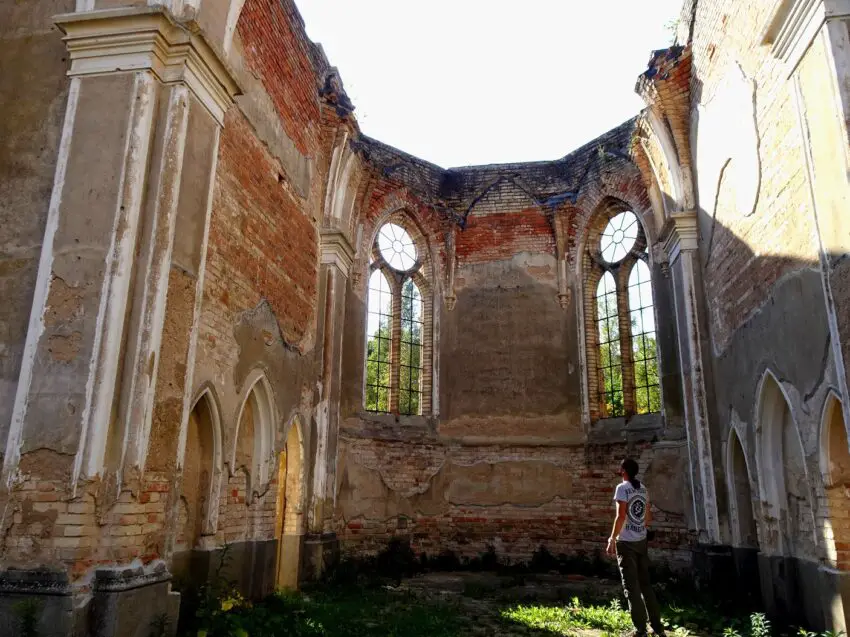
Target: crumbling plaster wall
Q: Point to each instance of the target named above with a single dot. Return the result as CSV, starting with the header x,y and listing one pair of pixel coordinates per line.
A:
x,y
261,309
508,457
759,253
32,106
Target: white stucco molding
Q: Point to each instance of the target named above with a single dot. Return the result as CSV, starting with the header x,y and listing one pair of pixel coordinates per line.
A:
x,y
148,39
682,234
793,24
337,250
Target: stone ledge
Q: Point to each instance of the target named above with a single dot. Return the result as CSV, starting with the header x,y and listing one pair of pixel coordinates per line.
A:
x,y
39,581
119,579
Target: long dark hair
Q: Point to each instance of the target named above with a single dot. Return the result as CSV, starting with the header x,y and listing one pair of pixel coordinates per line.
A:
x,y
630,467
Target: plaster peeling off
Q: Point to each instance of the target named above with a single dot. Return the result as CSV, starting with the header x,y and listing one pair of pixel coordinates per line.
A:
x,y
727,134
387,462
64,348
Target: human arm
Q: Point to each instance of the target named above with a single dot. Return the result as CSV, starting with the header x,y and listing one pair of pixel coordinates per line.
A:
x,y
619,521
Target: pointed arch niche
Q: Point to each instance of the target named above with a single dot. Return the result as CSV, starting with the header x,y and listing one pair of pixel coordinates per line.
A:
x,y
835,465
744,529
254,445
289,518
202,473
783,478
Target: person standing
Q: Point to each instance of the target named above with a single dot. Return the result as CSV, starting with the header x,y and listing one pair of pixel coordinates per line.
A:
x,y
628,543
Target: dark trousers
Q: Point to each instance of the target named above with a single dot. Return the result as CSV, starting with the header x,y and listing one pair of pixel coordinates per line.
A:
x,y
633,561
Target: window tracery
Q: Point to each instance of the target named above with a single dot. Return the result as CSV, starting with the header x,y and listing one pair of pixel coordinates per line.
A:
x,y
397,330
621,344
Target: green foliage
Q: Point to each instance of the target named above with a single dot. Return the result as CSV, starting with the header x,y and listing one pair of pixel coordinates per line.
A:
x,y
644,355
560,620
160,625
27,612
349,612
378,368
378,357
759,625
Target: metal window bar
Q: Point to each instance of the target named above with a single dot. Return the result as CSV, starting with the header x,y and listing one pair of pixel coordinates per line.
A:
x,y
411,350
644,342
609,363
379,346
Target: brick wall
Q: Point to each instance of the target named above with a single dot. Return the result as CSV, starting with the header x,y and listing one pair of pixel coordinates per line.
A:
x,y
744,256
509,370
517,519
279,52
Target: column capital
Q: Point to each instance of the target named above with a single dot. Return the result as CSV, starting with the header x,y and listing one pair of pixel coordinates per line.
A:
x,y
681,233
337,249
148,39
792,25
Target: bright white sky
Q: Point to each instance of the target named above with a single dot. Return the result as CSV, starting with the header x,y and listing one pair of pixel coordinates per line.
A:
x,y
460,82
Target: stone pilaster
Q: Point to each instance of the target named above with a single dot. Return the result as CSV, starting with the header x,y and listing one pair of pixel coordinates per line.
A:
x,y
681,245
337,256
110,347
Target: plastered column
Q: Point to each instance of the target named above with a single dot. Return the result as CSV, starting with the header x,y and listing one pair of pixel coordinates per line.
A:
x,y
122,259
681,246
337,257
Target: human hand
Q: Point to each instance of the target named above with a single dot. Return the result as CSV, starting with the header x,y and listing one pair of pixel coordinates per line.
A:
x,y
612,547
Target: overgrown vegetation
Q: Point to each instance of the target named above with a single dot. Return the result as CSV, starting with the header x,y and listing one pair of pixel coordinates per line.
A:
x,y
364,599
614,621
331,612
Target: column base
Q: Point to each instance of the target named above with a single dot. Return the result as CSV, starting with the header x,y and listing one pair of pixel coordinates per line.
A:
x,y
321,552
134,601
250,566
835,596
43,595
714,569
795,591
130,601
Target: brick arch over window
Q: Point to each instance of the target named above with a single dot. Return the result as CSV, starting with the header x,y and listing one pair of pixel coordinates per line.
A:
x,y
621,354
398,365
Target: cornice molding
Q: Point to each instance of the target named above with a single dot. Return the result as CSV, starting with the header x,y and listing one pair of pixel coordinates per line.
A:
x,y
337,250
148,39
682,234
793,24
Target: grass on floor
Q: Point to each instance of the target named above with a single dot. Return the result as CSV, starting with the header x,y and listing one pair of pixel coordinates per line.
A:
x,y
331,613
385,612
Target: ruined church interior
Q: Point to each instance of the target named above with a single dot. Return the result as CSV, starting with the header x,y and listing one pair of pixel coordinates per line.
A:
x,y
231,322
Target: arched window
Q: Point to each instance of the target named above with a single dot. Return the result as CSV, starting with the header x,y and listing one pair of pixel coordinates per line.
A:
x,y
644,343
622,349
397,354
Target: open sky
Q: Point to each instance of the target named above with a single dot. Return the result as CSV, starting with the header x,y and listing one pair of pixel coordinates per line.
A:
x,y
460,82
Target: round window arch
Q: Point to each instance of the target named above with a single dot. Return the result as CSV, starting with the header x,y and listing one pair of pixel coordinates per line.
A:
x,y
619,236
396,247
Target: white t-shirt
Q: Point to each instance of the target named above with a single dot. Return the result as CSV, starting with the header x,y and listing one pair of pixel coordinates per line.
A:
x,y
634,528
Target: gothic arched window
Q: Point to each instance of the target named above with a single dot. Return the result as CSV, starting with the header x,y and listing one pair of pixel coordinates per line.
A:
x,y
397,332
622,347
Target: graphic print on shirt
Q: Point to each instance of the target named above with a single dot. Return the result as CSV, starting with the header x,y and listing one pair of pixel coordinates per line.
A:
x,y
636,501
636,512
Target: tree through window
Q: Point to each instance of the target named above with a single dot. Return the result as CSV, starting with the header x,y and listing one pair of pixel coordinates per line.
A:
x,y
623,342
395,332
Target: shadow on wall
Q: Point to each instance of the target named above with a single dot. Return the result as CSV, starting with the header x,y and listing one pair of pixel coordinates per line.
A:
x,y
780,444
